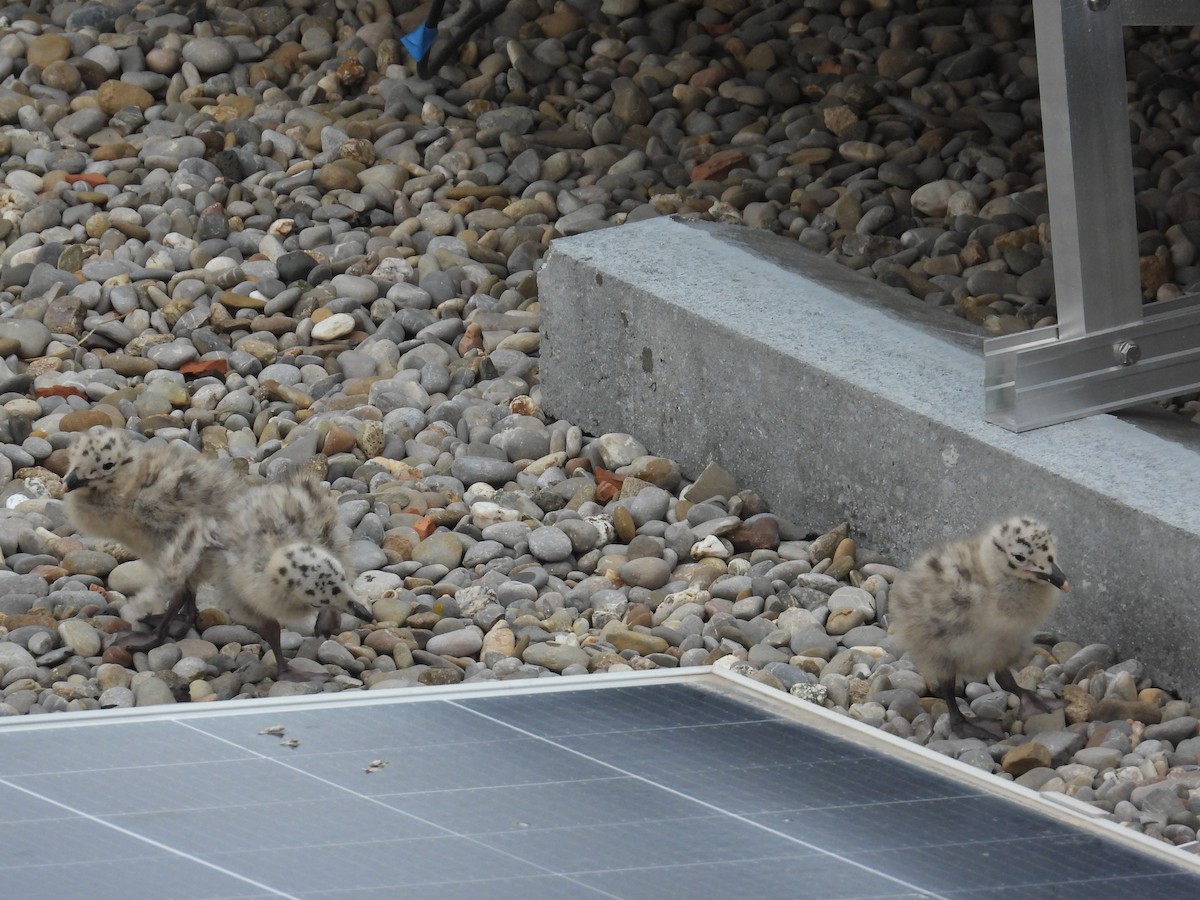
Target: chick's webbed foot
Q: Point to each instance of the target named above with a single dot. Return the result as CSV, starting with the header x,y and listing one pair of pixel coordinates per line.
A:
x,y
173,623
989,730
292,674
140,641
284,670
176,621
1032,703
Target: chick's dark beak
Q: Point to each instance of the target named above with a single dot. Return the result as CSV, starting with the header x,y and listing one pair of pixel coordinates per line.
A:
x,y
360,611
73,481
1057,577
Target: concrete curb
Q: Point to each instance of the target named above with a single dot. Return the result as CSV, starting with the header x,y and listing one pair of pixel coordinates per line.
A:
x,y
836,397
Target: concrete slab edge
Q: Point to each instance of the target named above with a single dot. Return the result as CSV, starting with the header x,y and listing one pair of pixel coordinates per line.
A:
x,y
837,398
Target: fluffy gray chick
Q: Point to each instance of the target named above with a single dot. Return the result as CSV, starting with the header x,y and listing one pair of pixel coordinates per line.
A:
x,y
164,505
970,607
286,559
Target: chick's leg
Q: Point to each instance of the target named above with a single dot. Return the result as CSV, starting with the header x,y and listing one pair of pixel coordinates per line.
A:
x,y
184,547
327,622
270,630
181,555
179,617
984,729
139,642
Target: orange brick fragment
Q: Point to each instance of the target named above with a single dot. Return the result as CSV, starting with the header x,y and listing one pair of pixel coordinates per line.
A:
x,y
608,484
832,67
60,390
718,165
200,367
92,178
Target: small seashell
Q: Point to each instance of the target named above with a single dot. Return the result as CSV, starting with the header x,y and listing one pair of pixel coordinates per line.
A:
x,y
375,765
711,546
739,566
290,742
524,405
604,525
273,729
485,513
480,491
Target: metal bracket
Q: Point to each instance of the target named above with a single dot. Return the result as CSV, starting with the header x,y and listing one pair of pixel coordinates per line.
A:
x,y
1106,352
1040,378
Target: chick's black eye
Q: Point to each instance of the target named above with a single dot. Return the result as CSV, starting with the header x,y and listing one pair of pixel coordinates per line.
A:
x,y
1018,557
107,466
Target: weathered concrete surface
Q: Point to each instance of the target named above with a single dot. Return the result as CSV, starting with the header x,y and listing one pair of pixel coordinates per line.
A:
x,y
838,399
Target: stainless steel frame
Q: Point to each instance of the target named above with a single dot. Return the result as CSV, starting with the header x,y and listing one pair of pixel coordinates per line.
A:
x,y
1106,352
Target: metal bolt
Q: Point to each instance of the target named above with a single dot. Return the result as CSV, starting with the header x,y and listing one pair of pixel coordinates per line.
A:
x,y
1097,5
1127,352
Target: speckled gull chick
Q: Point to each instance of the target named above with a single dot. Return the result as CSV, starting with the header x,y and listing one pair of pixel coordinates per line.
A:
x,y
287,558
970,607
163,506
275,550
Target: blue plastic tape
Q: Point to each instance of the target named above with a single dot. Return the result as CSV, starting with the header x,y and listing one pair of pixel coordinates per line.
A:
x,y
418,41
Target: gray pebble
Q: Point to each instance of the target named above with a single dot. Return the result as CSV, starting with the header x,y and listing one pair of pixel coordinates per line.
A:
x,y
1173,730
210,55
549,544
647,572
554,656
475,469
152,691
1098,654
229,634
462,642
31,336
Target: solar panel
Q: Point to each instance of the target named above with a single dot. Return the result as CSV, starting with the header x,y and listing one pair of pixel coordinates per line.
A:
x,y
635,787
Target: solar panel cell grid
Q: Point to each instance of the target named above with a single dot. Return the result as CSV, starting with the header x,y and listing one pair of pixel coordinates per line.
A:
x,y
675,789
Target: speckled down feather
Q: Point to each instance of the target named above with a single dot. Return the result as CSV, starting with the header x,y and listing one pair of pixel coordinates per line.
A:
x,y
970,607
165,506
287,554
275,550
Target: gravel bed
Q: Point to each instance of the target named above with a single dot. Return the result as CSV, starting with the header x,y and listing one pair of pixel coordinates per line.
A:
x,y
248,230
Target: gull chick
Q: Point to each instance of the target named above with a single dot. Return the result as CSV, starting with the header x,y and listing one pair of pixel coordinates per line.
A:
x,y
970,607
276,550
286,559
164,507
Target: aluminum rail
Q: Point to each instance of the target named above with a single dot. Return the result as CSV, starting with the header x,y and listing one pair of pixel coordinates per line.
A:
x,y
1107,351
